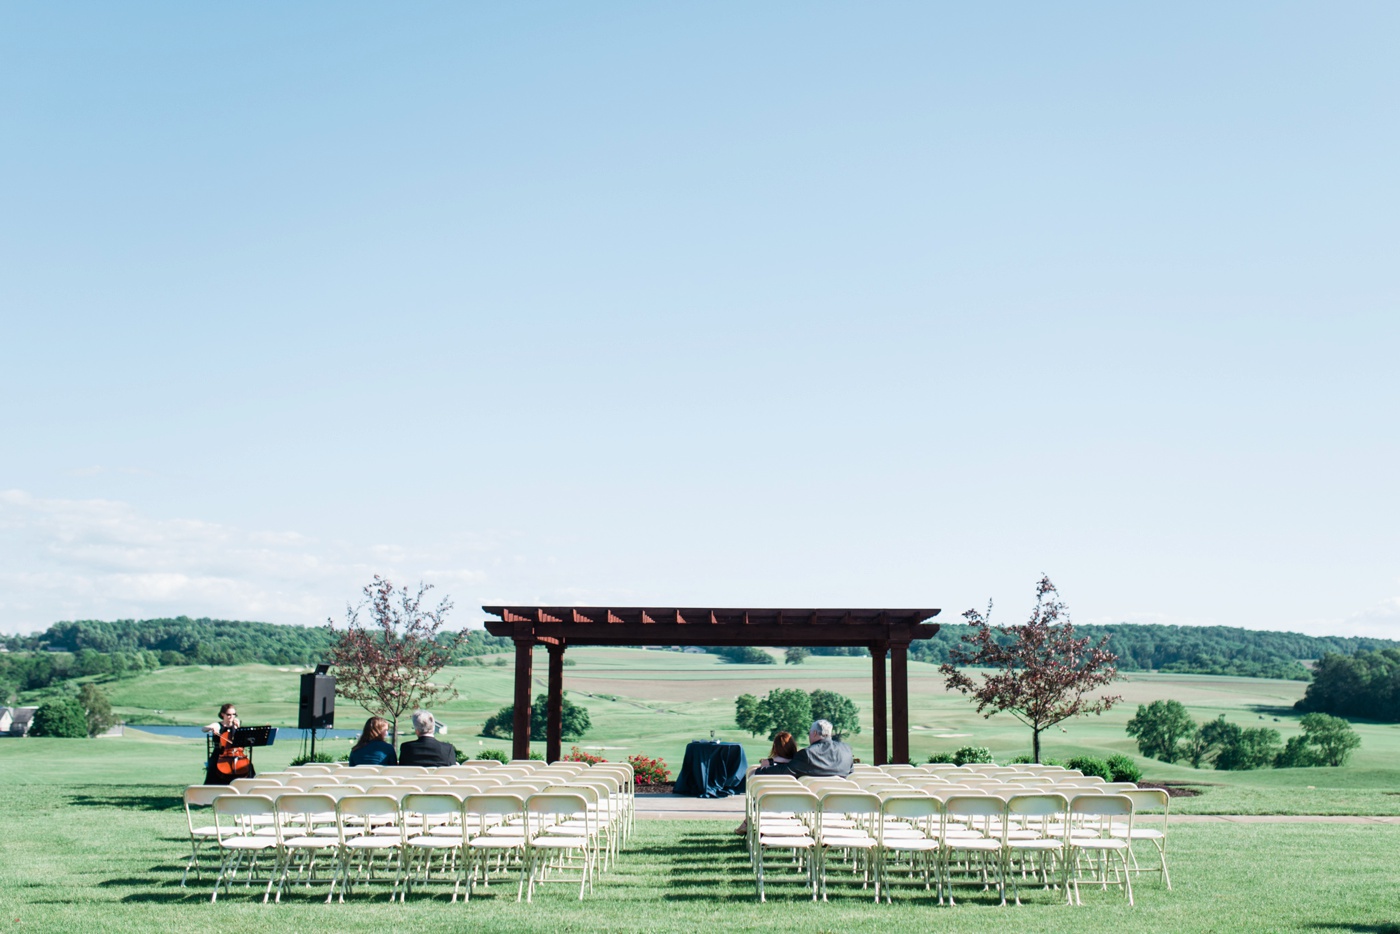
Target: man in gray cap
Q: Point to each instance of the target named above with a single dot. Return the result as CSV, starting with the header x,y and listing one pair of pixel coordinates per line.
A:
x,y
824,755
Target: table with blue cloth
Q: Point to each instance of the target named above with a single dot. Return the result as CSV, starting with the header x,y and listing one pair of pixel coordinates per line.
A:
x,y
712,770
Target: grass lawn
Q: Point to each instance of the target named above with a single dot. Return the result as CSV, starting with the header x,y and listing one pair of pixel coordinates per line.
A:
x,y
100,849
655,702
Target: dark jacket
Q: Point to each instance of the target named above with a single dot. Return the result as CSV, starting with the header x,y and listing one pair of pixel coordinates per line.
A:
x,y
374,752
427,751
824,757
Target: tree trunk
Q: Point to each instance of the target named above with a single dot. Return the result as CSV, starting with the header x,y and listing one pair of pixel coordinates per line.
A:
x,y
1035,746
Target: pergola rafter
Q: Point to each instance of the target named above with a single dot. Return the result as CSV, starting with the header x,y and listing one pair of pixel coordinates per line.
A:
x,y
881,631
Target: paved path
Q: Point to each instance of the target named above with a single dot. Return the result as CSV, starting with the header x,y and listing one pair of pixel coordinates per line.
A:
x,y
673,807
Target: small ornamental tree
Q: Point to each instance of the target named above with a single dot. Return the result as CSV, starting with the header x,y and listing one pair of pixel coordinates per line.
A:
x,y
97,709
1333,737
387,666
1041,674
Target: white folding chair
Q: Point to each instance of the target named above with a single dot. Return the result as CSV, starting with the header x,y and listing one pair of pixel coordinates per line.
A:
x,y
548,849
986,816
299,818
1040,837
1106,854
200,797
493,825
849,823
238,837
1148,802
368,828
432,828
783,820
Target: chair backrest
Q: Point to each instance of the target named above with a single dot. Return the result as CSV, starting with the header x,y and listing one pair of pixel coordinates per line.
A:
x,y
336,792
249,785
311,806
911,807
795,801
973,805
493,804
369,805
234,806
403,770
557,804
204,795
308,782
1101,805
1148,799
850,802
1037,805
528,765
1118,788
430,803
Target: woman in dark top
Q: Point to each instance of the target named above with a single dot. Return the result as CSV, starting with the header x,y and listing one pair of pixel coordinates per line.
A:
x,y
372,748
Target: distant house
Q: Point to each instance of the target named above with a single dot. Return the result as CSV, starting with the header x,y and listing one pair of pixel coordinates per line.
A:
x,y
16,721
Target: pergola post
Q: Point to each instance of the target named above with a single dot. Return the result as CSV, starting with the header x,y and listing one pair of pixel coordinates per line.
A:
x,y
899,701
520,728
877,689
554,711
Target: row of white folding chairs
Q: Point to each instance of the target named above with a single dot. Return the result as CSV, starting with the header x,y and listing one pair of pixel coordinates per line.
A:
x,y
986,831
926,835
614,808
569,820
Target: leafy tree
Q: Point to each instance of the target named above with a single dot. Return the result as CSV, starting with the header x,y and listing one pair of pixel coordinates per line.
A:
x,y
575,721
97,709
1364,685
783,709
1161,728
61,717
388,667
1238,749
796,655
1042,675
838,708
1333,738
1297,754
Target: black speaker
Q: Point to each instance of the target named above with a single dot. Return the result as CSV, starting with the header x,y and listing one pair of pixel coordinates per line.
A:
x,y
317,708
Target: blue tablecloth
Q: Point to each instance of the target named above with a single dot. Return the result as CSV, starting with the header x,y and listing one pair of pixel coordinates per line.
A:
x,y
712,770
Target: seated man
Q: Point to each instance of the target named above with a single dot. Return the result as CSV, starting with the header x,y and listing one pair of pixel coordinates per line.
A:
x,y
824,756
425,750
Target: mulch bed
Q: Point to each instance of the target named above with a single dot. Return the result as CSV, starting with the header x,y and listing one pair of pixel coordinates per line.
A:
x,y
1173,789
666,789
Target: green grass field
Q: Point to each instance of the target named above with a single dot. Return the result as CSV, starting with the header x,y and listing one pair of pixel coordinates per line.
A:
x,y
655,702
93,834
94,840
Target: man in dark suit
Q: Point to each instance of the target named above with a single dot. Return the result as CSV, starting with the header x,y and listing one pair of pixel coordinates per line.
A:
x,y
425,750
824,756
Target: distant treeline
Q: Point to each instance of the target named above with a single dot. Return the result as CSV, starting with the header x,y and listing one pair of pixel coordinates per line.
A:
x,y
121,647
1205,650
1366,684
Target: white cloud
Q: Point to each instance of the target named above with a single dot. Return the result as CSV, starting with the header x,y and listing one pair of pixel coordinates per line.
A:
x,y
100,559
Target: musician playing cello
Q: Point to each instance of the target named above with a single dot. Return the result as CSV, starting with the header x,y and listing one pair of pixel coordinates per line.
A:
x,y
228,761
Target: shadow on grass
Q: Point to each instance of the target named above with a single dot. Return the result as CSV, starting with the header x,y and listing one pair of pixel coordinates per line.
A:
x,y
135,801
1390,928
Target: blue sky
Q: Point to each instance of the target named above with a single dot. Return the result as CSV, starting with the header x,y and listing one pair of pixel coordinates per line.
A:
x,y
719,304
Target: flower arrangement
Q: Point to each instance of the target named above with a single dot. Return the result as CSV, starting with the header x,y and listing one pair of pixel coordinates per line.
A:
x,y
649,771
578,755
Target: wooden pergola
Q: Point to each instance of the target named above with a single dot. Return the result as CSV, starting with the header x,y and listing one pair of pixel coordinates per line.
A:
x,y
883,632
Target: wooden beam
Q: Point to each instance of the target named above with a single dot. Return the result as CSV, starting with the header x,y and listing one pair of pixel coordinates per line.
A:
x,y
899,701
554,711
520,727
877,689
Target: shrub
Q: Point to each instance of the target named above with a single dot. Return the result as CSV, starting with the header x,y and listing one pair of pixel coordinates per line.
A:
x,y
972,755
1297,754
649,771
1092,765
943,758
578,755
1332,737
744,655
1123,768
1019,760
319,757
61,717
500,755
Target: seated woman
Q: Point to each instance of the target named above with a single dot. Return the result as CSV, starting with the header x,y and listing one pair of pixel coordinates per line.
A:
x,y
784,748
372,748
